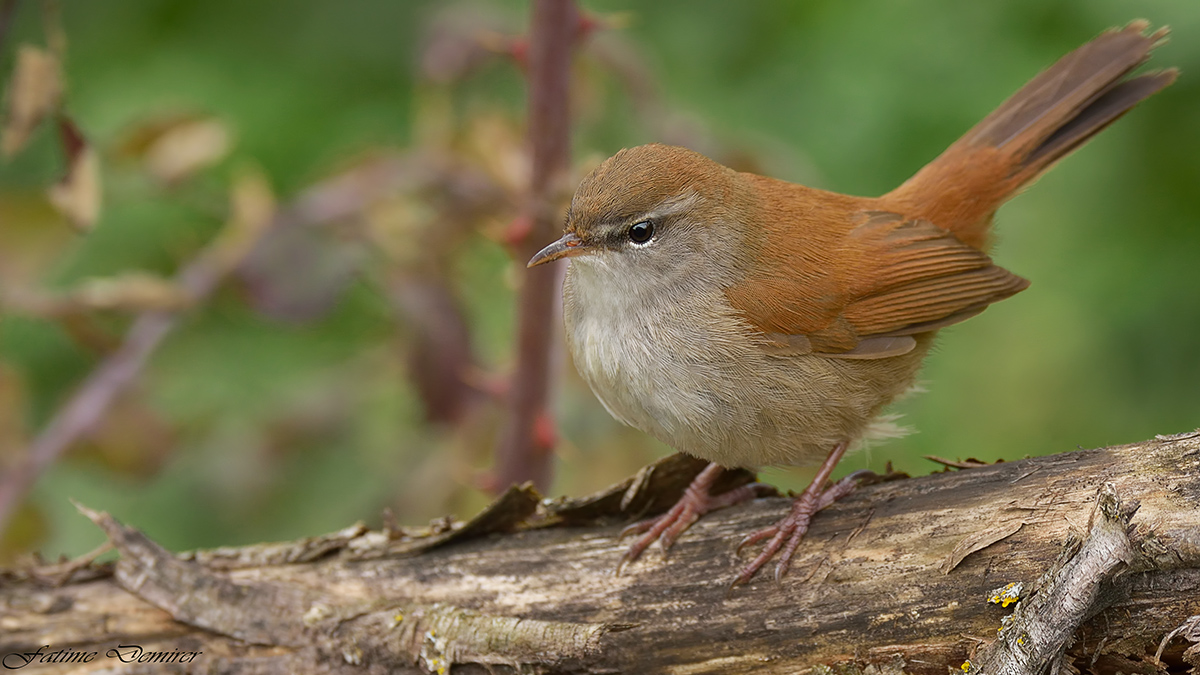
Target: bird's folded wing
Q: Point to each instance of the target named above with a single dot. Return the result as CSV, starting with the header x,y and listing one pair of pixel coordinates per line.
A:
x,y
890,278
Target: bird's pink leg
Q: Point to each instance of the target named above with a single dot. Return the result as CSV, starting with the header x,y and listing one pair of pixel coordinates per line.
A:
x,y
695,502
788,532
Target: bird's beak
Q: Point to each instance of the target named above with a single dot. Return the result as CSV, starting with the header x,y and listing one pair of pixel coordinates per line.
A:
x,y
570,245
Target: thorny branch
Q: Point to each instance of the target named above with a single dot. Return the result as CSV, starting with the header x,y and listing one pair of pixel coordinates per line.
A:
x,y
523,452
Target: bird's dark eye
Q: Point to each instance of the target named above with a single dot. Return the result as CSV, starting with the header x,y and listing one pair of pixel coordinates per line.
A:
x,y
640,232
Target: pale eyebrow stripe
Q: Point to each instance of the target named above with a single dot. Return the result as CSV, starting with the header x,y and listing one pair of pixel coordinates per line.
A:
x,y
669,207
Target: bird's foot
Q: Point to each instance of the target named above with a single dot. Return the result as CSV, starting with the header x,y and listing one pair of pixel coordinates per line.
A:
x,y
787,534
695,502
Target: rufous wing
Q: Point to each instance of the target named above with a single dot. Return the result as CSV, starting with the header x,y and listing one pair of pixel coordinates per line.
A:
x,y
889,278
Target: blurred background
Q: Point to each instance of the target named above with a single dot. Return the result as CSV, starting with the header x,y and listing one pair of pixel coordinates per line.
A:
x,y
358,358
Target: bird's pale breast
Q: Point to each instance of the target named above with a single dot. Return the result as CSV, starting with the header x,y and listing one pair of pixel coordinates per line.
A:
x,y
682,366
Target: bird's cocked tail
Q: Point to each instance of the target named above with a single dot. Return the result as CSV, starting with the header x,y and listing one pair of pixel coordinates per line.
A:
x,y
1046,120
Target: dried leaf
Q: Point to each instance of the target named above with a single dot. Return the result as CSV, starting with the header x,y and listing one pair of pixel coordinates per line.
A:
x,y
252,208
35,92
509,512
397,226
77,195
32,240
182,150
653,490
497,144
128,292
132,292
135,141
252,202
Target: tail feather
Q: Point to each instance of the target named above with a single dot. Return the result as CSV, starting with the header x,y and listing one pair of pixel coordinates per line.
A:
x,y
1047,119
1064,88
1095,118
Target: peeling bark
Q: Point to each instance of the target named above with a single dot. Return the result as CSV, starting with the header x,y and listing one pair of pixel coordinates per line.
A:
x,y
893,579
1034,638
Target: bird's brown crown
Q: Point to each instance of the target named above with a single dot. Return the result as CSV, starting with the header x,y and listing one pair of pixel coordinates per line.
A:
x,y
636,180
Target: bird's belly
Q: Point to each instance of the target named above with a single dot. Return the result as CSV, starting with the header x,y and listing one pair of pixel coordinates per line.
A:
x,y
693,375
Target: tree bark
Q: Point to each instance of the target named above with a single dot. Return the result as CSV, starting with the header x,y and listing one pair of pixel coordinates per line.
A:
x,y
1102,548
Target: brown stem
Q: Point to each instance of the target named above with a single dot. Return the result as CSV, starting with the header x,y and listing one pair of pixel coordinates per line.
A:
x,y
86,406
522,454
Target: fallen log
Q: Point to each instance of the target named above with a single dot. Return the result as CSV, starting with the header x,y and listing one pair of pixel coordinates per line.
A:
x,y
1098,550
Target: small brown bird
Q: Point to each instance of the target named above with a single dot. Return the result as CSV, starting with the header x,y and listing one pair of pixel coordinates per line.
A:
x,y
750,321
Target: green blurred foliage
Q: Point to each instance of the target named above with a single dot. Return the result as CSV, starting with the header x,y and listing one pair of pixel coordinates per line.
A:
x,y
249,428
